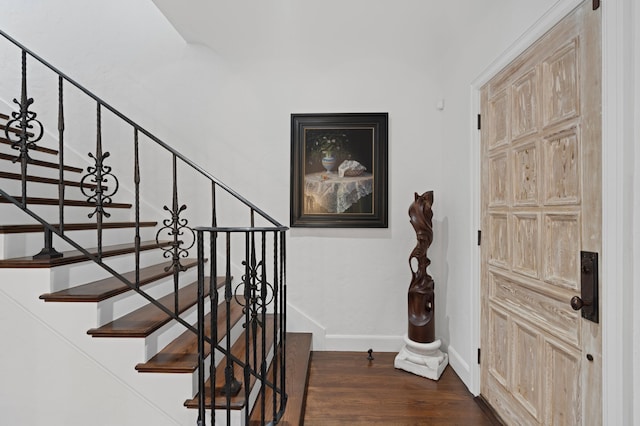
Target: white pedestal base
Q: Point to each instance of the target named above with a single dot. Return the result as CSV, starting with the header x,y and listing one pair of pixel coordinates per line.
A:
x,y
422,359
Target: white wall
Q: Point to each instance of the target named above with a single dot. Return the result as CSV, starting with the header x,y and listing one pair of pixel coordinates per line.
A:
x,y
228,106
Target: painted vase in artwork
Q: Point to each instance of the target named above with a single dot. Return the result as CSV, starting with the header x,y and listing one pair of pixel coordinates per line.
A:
x,y
328,162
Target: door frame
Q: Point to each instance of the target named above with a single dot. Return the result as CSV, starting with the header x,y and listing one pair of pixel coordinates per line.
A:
x,y
615,123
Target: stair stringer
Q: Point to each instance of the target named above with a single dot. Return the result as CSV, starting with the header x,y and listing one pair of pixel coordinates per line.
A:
x,y
72,378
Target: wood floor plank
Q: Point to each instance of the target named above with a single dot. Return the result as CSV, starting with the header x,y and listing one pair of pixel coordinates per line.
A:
x,y
345,388
103,289
181,355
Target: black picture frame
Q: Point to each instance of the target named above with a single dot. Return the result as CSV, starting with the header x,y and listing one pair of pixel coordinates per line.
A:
x,y
342,195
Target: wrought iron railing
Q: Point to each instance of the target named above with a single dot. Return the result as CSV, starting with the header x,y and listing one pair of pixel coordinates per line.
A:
x,y
257,251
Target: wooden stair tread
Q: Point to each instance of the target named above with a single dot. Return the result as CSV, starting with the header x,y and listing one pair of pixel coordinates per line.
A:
x,y
238,350
40,163
75,256
297,360
35,227
147,319
73,203
14,130
38,148
40,179
103,289
181,355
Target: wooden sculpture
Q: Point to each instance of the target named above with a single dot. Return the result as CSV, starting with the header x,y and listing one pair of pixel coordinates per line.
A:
x,y
421,290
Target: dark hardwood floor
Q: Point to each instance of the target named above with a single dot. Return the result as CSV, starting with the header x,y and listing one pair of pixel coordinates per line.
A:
x,y
345,388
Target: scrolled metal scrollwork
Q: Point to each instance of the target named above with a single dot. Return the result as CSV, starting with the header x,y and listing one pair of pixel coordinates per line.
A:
x,y
258,292
95,183
175,228
24,120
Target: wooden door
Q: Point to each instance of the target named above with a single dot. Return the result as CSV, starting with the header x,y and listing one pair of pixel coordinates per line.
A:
x,y
541,205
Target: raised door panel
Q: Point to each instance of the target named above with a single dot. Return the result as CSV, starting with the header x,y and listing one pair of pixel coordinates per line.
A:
x,y
560,83
526,175
525,105
562,387
562,163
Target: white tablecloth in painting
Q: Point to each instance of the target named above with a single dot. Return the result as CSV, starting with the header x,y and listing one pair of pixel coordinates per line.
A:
x,y
336,194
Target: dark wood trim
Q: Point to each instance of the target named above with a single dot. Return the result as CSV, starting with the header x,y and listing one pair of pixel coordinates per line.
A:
x,y
103,289
149,318
73,203
75,256
19,229
181,355
13,130
39,179
35,147
43,163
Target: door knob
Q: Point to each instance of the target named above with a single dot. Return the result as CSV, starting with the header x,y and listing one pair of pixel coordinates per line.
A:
x,y
577,303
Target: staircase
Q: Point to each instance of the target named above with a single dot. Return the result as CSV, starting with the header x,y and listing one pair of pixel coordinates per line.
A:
x,y
196,313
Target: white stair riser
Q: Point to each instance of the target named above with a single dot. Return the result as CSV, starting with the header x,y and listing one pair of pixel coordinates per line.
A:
x,y
39,189
67,276
12,215
166,334
29,244
120,305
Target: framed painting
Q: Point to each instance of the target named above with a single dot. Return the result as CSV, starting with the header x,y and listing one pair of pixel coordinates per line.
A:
x,y
339,170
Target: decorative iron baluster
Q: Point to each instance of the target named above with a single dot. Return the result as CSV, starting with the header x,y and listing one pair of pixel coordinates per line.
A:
x,y
201,332
277,352
231,384
213,297
263,307
61,152
99,175
136,181
48,251
253,269
175,228
249,335
283,315
24,120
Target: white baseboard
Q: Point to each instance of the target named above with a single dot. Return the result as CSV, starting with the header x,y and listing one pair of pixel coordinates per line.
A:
x,y
357,343
460,366
299,322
